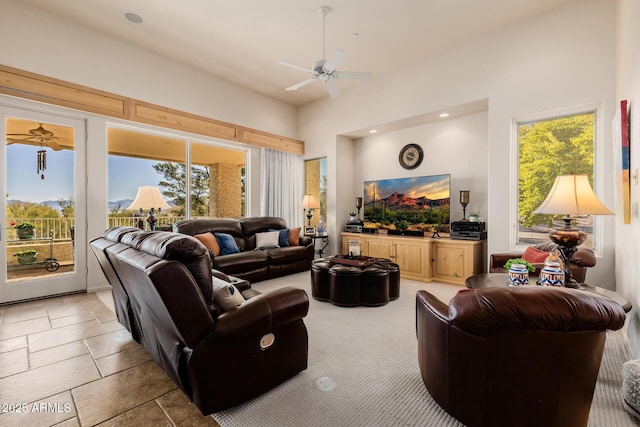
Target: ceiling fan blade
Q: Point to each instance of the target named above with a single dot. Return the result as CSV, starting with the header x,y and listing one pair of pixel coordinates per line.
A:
x,y
334,60
34,141
297,67
352,75
300,84
331,88
53,145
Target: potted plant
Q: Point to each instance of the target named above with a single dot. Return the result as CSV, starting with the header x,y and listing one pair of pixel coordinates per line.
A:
x,y
527,264
25,230
26,256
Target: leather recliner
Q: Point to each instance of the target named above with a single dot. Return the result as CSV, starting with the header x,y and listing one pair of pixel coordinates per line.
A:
x,y
519,356
163,294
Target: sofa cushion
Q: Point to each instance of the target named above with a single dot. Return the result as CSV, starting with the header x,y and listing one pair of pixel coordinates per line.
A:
x,y
252,225
287,255
242,261
210,241
283,237
226,296
227,243
267,240
294,236
534,256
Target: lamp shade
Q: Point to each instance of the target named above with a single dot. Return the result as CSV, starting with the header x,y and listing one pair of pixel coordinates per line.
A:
x,y
572,195
149,197
309,202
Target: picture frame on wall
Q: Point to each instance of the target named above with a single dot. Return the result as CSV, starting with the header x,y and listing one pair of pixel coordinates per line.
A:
x,y
309,230
622,164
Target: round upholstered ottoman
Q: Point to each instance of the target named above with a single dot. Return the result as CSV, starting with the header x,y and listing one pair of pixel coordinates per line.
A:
x,y
375,285
345,285
320,279
394,277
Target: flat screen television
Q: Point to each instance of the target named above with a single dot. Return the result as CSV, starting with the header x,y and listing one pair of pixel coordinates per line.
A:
x,y
417,204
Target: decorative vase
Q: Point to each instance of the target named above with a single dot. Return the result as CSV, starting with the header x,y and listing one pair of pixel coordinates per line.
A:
x,y
518,275
24,233
27,259
551,275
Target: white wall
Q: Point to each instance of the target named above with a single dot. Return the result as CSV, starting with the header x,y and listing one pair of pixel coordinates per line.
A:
x,y
458,147
627,237
564,58
36,41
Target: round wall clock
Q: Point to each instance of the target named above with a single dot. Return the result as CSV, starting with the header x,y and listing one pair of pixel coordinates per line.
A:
x,y
411,156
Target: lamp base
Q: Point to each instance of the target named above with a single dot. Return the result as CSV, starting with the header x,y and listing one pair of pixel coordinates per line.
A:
x,y
568,239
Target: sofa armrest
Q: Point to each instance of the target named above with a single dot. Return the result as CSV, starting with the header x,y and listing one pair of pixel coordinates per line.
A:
x,y
584,258
262,313
305,241
433,304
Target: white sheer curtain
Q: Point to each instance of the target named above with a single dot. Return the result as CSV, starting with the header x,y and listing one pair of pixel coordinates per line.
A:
x,y
281,186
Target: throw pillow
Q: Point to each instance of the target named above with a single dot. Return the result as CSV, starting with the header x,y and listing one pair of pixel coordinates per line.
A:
x,y
225,295
534,256
294,235
227,244
283,240
267,240
210,242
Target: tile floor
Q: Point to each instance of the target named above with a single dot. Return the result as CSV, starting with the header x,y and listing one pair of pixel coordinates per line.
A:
x,y
66,361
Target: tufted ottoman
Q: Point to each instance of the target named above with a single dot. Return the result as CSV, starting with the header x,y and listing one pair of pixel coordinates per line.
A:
x,y
349,286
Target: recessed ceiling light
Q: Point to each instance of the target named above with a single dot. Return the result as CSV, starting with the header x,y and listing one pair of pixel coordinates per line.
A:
x,y
355,35
373,131
135,18
443,115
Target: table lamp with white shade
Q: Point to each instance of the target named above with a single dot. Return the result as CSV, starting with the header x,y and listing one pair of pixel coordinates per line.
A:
x,y
309,203
149,198
570,195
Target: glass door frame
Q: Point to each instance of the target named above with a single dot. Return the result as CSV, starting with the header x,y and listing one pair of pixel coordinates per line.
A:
x,y
52,284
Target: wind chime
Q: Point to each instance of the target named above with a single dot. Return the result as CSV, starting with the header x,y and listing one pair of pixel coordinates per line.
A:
x,y
42,162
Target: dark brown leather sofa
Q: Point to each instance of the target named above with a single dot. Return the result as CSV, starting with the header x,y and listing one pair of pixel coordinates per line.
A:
x,y
520,356
250,264
580,262
162,290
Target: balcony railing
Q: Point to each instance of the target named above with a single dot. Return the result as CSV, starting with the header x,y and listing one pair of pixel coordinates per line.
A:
x,y
63,228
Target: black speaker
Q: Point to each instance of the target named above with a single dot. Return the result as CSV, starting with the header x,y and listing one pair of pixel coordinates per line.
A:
x,y
467,226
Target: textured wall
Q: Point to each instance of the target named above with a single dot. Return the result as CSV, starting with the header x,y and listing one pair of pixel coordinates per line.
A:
x,y
225,191
312,180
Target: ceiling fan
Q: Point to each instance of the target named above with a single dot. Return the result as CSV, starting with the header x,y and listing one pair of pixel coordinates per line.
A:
x,y
324,70
38,136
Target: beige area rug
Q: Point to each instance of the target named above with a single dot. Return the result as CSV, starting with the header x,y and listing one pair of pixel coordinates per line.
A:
x,y
363,370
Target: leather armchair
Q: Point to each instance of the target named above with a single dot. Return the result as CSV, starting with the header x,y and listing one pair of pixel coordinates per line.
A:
x,y
581,260
520,356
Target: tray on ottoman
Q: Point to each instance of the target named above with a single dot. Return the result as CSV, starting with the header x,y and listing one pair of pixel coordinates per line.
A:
x,y
356,261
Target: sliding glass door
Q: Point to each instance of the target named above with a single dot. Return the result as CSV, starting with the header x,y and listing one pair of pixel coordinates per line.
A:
x,y
43,211
189,178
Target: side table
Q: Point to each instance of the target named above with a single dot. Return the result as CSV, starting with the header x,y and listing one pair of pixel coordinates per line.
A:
x,y
489,280
324,242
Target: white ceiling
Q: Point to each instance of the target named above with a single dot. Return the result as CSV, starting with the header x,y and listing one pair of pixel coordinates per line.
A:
x,y
242,40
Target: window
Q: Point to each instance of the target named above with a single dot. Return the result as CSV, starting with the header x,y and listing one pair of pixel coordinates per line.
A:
x,y
315,172
210,181
546,148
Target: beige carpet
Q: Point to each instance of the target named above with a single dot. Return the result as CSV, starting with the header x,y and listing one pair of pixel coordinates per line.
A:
x,y
363,370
